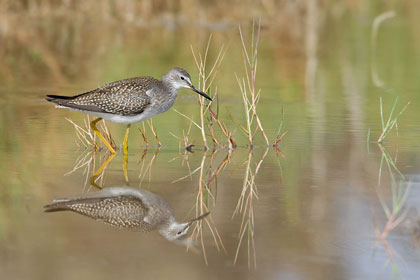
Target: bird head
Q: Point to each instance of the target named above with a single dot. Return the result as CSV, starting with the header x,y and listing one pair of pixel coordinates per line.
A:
x,y
179,78
176,230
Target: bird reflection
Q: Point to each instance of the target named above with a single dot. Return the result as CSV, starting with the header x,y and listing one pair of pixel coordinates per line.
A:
x,y
129,208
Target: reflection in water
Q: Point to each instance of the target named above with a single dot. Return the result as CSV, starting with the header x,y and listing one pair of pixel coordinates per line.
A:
x,y
86,139
377,81
99,173
208,171
146,169
416,232
129,208
206,195
245,205
396,211
206,174
87,161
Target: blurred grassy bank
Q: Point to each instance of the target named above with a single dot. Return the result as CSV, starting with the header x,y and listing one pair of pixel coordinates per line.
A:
x,y
63,41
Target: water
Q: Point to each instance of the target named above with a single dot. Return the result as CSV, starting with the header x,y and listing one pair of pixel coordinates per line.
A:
x,y
318,206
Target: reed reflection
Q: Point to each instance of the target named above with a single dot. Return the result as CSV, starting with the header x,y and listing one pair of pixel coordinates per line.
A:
x,y
87,161
206,194
128,208
146,164
245,206
203,173
396,211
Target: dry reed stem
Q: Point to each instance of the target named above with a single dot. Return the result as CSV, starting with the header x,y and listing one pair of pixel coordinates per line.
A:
x,y
188,118
196,124
187,135
143,135
153,129
154,132
85,135
228,134
250,96
232,142
204,83
184,138
279,136
106,133
212,134
278,139
247,110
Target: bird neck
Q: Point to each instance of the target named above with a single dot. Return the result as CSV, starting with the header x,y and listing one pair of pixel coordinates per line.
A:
x,y
170,87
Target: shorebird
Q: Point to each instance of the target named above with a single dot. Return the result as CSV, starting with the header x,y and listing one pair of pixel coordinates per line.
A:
x,y
128,101
129,208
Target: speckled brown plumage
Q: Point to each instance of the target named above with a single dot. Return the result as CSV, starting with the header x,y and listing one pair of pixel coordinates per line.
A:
x,y
125,97
129,208
130,100
121,211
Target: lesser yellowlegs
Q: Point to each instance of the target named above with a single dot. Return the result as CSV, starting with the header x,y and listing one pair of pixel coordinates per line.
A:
x,y
129,208
128,101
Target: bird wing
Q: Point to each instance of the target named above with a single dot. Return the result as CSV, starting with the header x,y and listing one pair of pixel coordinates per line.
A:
x,y
121,211
125,97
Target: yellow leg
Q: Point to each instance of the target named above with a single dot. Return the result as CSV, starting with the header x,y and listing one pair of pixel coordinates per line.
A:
x,y
124,165
93,126
100,169
125,148
125,143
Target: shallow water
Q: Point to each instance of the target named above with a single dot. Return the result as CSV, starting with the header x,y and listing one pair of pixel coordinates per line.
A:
x,y
319,202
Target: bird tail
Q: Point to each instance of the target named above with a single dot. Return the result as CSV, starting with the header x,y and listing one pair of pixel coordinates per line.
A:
x,y
58,98
57,206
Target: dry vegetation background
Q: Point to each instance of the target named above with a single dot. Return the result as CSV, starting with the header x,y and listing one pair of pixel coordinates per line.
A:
x,y
61,40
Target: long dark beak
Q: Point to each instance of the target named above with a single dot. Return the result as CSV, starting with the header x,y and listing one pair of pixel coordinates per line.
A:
x,y
200,92
198,218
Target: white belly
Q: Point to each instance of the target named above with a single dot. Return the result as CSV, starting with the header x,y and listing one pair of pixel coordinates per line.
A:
x,y
147,114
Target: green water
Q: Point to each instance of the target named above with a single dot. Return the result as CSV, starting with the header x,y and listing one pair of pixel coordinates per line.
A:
x,y
320,200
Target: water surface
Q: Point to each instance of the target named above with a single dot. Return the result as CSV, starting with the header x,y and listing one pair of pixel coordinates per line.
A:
x,y
314,208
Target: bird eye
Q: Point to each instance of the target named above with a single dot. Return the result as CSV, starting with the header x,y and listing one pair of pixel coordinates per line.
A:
x,y
179,232
182,78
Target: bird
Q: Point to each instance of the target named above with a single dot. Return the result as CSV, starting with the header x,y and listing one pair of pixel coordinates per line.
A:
x,y
126,207
129,100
